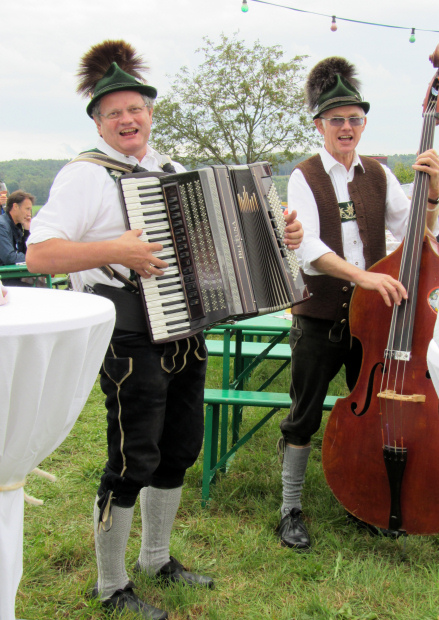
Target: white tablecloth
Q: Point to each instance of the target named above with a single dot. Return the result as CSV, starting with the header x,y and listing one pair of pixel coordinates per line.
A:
x,y
51,347
433,356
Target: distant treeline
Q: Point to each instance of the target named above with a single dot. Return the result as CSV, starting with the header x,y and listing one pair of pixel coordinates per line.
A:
x,y
401,165
392,160
36,176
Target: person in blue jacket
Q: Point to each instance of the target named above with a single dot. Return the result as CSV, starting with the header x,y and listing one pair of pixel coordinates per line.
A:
x,y
14,229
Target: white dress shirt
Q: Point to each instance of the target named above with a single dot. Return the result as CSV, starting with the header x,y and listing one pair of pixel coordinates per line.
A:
x,y
84,205
301,199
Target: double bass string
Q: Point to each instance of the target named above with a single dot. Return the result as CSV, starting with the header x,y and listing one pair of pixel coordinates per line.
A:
x,y
404,317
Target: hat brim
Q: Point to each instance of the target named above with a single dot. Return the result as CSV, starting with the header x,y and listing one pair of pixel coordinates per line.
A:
x,y
339,102
143,89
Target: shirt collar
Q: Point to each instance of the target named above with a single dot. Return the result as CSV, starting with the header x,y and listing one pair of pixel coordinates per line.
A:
x,y
126,159
329,162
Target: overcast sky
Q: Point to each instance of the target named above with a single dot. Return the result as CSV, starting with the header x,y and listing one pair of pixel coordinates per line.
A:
x,y
41,44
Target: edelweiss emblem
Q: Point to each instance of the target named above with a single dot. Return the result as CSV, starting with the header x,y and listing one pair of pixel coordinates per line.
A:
x,y
347,211
116,173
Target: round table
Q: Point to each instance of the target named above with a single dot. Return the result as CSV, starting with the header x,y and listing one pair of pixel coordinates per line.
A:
x,y
433,356
52,345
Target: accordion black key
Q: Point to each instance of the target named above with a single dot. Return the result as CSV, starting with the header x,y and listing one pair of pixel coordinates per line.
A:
x,y
221,229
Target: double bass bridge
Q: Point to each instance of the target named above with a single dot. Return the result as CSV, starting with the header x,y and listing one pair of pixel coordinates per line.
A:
x,y
410,398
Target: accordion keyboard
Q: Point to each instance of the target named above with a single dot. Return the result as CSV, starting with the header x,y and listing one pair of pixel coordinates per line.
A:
x,y
146,210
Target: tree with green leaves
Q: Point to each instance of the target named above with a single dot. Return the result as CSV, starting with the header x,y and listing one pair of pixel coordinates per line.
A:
x,y
404,172
240,105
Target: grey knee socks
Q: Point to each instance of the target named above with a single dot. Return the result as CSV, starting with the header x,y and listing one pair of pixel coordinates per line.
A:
x,y
110,550
159,507
293,475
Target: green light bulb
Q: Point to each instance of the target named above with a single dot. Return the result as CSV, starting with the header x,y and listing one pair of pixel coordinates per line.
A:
x,y
244,6
412,36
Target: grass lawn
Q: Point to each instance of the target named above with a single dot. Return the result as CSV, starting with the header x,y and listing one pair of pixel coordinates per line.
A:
x,y
349,575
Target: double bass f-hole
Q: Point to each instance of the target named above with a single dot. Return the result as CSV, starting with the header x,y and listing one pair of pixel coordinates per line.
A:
x,y
369,390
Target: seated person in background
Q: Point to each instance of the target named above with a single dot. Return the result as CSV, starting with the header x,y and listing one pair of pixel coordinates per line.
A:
x,y
3,196
14,230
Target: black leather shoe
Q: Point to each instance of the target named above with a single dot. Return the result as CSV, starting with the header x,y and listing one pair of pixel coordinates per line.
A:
x,y
174,572
292,531
127,599
373,529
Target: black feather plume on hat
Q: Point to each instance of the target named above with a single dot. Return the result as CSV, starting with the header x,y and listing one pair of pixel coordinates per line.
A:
x,y
323,76
96,62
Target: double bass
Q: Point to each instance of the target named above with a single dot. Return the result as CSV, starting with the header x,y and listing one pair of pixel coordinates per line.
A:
x,y
380,450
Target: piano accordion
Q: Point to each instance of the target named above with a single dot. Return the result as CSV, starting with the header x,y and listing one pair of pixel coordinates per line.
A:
x,y
221,229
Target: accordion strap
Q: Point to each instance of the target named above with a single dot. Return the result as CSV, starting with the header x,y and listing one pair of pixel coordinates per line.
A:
x,y
96,157
101,159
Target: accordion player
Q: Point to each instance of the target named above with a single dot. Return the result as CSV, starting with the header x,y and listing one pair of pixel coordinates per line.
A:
x,y
221,229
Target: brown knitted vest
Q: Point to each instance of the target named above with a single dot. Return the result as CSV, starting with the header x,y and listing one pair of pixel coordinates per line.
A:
x,y
331,296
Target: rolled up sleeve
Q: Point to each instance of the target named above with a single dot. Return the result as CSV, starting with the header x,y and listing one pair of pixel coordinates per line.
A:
x,y
301,199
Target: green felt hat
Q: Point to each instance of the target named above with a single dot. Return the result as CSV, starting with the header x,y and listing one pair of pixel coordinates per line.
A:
x,y
331,84
342,93
116,80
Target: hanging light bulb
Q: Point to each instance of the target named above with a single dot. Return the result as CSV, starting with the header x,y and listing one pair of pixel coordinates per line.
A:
x,y
333,24
412,36
244,6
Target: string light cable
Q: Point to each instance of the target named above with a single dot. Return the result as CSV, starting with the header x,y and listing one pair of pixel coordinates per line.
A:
x,y
244,9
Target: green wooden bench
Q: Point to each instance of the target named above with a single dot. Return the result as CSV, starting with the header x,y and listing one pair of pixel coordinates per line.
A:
x,y
217,422
248,356
20,270
58,281
250,349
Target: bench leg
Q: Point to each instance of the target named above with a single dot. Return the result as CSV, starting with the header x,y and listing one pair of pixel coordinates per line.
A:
x,y
236,422
211,429
224,431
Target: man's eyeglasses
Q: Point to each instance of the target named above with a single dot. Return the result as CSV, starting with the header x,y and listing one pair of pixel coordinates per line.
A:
x,y
339,121
117,114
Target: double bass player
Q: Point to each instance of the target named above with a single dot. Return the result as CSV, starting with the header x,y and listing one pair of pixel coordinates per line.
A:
x,y
344,202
